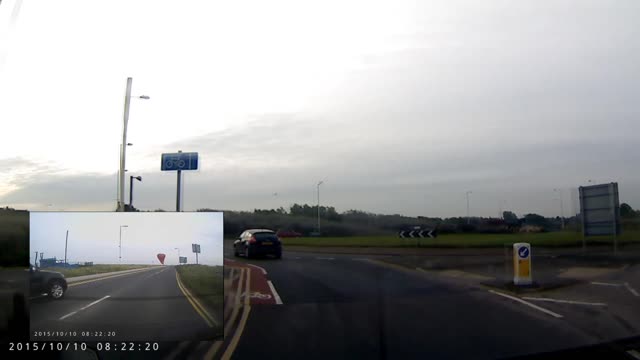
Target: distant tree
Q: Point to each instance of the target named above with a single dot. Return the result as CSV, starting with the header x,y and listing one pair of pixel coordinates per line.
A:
x,y
509,217
160,210
626,211
535,220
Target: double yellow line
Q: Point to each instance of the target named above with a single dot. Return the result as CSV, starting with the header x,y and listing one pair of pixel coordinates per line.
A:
x,y
200,309
246,308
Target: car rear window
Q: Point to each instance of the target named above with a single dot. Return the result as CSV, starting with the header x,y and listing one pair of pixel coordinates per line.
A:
x,y
265,236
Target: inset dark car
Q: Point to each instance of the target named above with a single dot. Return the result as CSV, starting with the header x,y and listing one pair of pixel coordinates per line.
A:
x,y
255,242
51,283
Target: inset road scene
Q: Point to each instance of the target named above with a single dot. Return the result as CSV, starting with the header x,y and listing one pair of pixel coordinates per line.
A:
x,y
126,276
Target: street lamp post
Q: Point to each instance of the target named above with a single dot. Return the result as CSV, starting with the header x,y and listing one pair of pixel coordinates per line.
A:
x,y
561,207
468,216
124,144
120,246
139,178
178,254
319,183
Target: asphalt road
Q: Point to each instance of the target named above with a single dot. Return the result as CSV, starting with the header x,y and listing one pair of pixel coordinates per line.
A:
x,y
347,306
141,306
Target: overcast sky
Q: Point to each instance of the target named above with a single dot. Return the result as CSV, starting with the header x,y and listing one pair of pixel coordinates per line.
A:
x,y
95,236
401,106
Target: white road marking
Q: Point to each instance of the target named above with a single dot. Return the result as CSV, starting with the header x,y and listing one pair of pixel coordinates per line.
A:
x,y
324,258
275,293
69,314
632,290
605,283
83,308
634,353
546,311
264,272
564,301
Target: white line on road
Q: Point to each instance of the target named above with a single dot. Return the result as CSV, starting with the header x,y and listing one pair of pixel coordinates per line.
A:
x,y
324,258
633,291
264,272
605,283
564,301
69,314
83,308
634,353
275,293
546,311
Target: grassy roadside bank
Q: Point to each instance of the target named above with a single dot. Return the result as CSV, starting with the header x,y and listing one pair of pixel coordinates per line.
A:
x,y
95,269
205,283
550,239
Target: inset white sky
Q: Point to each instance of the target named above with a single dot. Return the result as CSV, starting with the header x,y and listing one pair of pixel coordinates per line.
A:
x,y
95,237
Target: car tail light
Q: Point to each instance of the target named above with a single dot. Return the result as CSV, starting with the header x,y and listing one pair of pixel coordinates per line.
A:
x,y
252,240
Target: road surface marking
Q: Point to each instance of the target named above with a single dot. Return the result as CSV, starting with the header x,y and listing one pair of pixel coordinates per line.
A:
x,y
324,258
275,293
69,314
177,350
564,301
634,353
605,283
213,350
201,310
236,336
264,272
632,290
108,277
549,312
236,303
83,308
243,321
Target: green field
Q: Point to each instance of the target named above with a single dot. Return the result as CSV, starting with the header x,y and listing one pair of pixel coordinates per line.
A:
x,y
95,269
549,239
204,282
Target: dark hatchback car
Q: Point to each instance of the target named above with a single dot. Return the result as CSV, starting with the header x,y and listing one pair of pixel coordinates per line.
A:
x,y
256,242
47,282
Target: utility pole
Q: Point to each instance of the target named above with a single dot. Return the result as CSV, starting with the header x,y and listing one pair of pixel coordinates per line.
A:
x,y
320,183
65,247
468,216
559,191
123,146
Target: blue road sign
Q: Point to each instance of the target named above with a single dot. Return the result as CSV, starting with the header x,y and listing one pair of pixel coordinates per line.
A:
x,y
179,161
523,252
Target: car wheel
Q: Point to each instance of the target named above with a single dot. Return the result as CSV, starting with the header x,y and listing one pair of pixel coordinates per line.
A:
x,y
279,255
247,253
56,290
235,251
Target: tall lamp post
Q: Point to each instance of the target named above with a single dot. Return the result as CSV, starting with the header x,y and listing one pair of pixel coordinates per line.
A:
x,y
120,246
124,144
178,254
319,183
139,178
468,216
559,191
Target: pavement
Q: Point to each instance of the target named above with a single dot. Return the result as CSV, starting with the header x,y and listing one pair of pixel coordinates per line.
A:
x,y
323,305
146,305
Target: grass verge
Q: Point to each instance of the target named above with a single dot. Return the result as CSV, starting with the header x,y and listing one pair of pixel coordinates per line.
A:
x,y
95,269
550,239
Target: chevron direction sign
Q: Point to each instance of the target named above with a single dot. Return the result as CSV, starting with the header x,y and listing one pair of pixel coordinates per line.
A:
x,y
418,233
